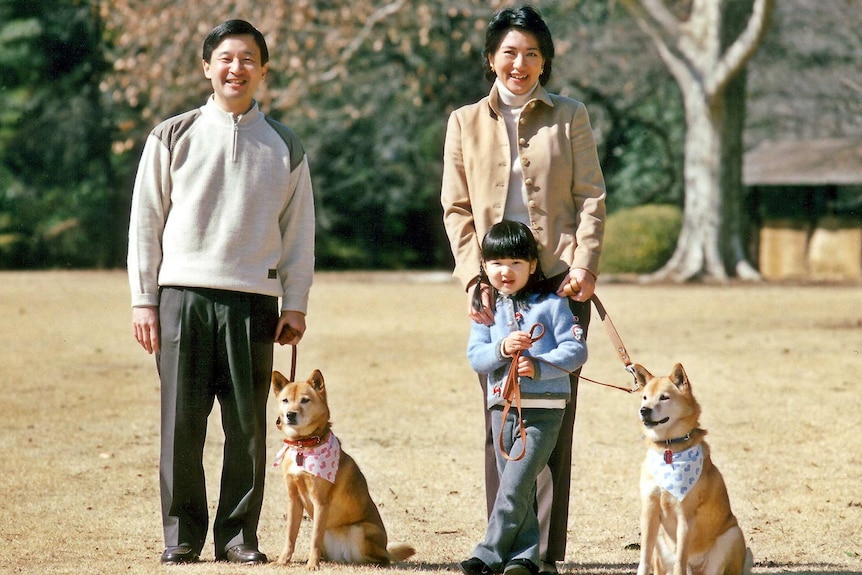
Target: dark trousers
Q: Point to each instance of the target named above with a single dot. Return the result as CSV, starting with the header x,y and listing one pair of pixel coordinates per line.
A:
x,y
214,345
552,499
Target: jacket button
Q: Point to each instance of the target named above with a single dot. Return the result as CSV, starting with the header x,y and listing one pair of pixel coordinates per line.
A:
x,y
528,182
526,163
532,204
522,141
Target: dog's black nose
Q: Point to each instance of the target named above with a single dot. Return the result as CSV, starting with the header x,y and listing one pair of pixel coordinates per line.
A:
x,y
646,412
291,416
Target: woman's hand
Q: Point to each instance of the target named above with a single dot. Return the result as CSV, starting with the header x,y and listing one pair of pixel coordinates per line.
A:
x,y
486,316
579,285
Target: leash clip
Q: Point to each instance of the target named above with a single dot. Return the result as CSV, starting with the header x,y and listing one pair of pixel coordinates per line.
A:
x,y
631,369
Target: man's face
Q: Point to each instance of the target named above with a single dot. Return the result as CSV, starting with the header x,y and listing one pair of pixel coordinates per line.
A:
x,y
235,71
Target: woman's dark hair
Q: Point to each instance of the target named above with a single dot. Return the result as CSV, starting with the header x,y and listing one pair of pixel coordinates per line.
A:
x,y
525,19
509,240
234,28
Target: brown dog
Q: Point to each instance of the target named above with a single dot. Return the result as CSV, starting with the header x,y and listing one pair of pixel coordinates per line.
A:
x,y
326,483
686,522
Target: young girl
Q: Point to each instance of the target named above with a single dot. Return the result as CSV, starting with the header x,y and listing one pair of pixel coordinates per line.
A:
x,y
545,354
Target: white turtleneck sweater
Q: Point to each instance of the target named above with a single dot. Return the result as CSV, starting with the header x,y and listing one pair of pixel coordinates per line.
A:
x,y
510,105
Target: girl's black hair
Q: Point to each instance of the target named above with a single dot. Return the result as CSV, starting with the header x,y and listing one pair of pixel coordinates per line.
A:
x,y
509,240
526,19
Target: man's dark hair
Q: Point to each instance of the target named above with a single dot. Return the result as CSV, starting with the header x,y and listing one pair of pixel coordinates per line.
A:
x,y
526,19
234,28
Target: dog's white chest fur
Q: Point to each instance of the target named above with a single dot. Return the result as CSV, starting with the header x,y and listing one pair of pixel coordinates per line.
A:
x,y
680,475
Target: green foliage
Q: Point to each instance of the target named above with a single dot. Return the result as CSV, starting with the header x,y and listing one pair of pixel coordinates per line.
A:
x,y
54,139
643,154
640,239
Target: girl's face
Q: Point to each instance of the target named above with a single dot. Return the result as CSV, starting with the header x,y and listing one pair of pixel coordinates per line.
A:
x,y
509,275
518,62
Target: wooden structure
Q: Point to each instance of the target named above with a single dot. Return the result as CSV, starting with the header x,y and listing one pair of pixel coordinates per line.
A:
x,y
806,198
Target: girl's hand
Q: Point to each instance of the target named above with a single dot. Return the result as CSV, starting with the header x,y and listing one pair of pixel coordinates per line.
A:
x,y
526,368
517,341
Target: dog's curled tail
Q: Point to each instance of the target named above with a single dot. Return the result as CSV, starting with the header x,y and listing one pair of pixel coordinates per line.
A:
x,y
400,552
749,561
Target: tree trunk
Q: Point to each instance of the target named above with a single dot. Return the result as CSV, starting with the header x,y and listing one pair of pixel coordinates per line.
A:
x,y
707,55
710,243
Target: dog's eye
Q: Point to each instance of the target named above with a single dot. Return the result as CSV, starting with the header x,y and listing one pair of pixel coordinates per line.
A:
x,y
304,400
284,401
663,397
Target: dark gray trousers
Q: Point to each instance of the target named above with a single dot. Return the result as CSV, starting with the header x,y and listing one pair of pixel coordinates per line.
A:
x,y
215,344
552,500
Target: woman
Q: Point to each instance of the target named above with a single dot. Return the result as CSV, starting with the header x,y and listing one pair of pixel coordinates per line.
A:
x,y
523,154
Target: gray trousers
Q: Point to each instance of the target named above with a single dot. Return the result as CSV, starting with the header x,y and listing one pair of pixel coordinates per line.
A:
x,y
215,344
513,526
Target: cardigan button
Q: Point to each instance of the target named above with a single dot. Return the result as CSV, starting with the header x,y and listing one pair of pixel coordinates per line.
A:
x,y
528,182
522,141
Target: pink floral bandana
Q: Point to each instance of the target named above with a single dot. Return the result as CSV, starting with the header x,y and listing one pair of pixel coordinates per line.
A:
x,y
320,460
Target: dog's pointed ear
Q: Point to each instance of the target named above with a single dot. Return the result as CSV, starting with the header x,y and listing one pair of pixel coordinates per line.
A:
x,y
642,376
316,380
278,382
679,378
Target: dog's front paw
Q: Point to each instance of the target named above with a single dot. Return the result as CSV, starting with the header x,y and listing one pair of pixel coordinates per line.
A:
x,y
283,559
313,563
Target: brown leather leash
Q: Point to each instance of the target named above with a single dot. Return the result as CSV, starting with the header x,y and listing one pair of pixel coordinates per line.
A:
x,y
618,344
616,340
512,389
512,393
293,362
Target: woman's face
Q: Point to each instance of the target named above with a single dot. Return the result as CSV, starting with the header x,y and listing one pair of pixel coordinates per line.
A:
x,y
518,62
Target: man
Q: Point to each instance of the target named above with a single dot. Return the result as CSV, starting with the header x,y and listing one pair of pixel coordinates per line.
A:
x,y
222,226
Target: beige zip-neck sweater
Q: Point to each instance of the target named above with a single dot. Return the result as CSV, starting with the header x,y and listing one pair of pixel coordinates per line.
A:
x,y
225,202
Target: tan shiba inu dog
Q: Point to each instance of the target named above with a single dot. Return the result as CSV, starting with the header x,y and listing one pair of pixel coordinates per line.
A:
x,y
326,483
687,526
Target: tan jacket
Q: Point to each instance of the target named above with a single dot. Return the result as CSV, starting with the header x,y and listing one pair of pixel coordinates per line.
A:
x,y
565,186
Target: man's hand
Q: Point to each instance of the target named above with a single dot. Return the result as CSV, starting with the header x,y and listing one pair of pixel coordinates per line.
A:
x,y
145,322
291,327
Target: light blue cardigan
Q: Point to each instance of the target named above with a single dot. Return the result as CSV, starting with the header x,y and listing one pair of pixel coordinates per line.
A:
x,y
562,346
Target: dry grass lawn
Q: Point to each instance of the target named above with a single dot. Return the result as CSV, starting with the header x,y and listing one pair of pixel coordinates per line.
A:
x,y
776,369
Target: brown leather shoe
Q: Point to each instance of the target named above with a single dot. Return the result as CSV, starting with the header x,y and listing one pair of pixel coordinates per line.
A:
x,y
182,553
245,554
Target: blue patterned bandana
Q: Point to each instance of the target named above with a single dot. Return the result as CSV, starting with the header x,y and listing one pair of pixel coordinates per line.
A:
x,y
680,475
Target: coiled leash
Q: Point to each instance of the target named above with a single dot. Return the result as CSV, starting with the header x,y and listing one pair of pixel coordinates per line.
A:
x,y
512,392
